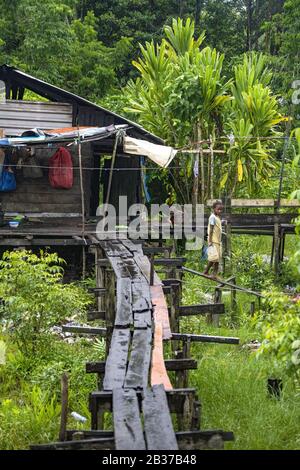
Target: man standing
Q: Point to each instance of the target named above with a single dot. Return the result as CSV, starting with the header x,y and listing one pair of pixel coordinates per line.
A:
x,y
214,238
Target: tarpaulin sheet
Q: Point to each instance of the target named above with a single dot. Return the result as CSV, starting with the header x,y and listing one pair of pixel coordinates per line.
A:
x,y
160,154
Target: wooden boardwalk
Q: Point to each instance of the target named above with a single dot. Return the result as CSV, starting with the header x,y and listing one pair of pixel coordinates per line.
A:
x,y
133,381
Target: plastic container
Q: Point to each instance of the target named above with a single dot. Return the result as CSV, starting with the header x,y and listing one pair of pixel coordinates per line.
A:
x,y
14,223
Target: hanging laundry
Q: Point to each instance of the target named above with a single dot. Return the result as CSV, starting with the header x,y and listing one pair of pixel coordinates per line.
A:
x,y
61,169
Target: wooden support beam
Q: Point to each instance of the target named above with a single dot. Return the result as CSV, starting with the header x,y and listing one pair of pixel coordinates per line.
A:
x,y
205,338
171,282
104,440
96,315
103,262
175,262
170,364
98,291
156,250
259,203
221,282
201,309
25,241
107,443
85,330
176,399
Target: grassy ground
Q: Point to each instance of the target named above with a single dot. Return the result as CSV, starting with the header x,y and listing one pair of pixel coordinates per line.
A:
x,y
231,381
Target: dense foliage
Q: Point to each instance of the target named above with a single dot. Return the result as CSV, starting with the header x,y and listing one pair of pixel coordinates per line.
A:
x,y
34,299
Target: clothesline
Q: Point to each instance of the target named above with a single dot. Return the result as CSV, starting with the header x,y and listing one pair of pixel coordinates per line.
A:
x,y
20,167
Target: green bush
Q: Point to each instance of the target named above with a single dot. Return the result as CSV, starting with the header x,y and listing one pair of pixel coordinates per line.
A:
x,y
280,327
34,299
251,268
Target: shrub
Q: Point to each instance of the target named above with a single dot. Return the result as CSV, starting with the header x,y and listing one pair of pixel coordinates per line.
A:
x,y
280,327
252,269
34,299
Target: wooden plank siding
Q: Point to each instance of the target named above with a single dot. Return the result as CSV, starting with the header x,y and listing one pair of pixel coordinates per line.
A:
x,y
35,195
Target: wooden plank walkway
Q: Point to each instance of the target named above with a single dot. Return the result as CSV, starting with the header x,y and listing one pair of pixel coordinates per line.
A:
x,y
127,422
128,364
159,430
135,386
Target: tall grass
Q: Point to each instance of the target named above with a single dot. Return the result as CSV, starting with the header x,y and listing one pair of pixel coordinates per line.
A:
x,y
231,382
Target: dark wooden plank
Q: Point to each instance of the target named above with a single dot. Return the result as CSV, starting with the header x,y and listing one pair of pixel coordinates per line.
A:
x,y
127,422
107,443
96,315
205,338
84,330
98,291
11,206
119,267
170,364
156,250
141,298
116,363
221,282
133,247
201,309
176,397
138,368
176,262
142,320
115,248
187,440
22,241
124,316
50,197
133,269
181,364
89,434
159,430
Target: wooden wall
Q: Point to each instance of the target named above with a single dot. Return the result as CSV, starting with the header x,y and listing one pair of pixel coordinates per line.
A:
x,y
37,196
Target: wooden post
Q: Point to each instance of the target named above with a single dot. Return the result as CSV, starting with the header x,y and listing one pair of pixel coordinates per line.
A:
x,y
252,308
282,244
100,270
64,407
186,417
174,312
233,299
228,232
151,270
276,247
109,305
186,354
211,167
215,318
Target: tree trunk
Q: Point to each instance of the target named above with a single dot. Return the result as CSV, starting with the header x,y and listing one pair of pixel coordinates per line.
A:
x,y
249,24
198,8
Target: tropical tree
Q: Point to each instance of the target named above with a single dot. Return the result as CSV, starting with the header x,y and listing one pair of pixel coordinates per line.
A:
x,y
182,95
179,95
253,117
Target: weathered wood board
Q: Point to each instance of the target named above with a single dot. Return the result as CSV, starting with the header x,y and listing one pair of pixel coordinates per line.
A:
x,y
159,430
128,429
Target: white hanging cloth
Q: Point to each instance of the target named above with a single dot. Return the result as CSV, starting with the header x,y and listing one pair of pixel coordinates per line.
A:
x,y
160,154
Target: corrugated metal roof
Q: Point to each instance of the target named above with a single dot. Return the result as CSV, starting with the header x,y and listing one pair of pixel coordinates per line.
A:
x,y
18,116
15,77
